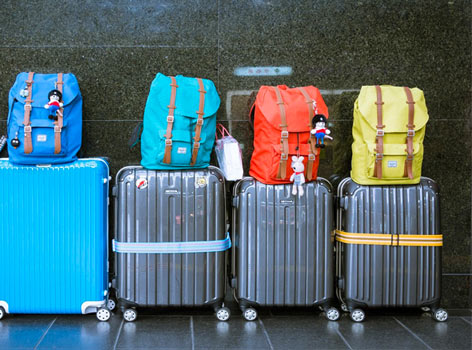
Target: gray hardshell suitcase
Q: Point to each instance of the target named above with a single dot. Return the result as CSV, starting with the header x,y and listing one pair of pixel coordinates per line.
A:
x,y
398,264
154,207
283,251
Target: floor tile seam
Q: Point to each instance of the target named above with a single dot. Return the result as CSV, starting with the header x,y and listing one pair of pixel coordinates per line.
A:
x,y
338,331
192,333
118,334
412,333
466,320
264,330
108,47
44,334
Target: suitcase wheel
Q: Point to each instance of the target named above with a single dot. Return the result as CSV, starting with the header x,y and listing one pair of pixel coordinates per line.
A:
x,y
332,314
2,312
103,314
357,315
111,304
223,314
250,314
130,315
440,315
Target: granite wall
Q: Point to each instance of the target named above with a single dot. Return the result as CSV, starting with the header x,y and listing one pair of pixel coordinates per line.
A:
x,y
116,47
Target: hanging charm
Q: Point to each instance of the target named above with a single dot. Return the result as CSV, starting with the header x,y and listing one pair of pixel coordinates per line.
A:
x,y
319,130
298,176
54,104
15,142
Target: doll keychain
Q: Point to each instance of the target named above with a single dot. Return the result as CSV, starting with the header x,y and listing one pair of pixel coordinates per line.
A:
x,y
319,128
54,104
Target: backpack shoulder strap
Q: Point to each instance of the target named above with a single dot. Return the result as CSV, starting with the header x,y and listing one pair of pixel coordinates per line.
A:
x,y
198,127
60,115
410,134
170,122
313,151
282,172
26,121
380,134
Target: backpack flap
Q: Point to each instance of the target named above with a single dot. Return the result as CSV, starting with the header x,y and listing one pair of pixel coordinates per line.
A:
x,y
187,96
296,110
394,108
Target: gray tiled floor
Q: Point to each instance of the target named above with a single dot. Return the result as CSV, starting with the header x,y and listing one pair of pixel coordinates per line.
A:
x,y
199,329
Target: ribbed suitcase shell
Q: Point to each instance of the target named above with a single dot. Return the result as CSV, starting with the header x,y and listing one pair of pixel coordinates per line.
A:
x,y
387,276
175,206
283,253
53,237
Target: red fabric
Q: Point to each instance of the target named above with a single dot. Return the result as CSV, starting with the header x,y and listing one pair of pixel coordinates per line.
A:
x,y
267,131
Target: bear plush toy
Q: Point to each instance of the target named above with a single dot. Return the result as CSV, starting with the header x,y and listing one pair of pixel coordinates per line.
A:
x,y
298,177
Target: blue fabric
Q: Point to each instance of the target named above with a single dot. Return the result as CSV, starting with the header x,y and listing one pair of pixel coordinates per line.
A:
x,y
173,247
42,126
185,118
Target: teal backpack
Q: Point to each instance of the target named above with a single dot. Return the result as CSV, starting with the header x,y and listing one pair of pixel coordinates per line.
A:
x,y
179,123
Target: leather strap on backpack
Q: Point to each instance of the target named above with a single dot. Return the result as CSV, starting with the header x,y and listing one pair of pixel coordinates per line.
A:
x,y
282,172
410,134
170,122
26,122
379,136
312,140
60,122
198,127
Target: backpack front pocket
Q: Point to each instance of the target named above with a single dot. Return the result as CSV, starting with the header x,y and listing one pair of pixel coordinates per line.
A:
x,y
180,147
42,139
393,161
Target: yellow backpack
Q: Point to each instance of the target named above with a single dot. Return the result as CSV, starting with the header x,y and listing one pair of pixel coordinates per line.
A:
x,y
388,131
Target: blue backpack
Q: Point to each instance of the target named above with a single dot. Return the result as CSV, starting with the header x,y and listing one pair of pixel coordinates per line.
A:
x,y
45,119
179,123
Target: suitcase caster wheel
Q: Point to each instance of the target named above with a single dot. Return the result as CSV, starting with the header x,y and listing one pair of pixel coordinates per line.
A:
x,y
344,307
103,314
332,314
111,304
440,315
130,315
425,309
223,314
250,314
357,315
2,312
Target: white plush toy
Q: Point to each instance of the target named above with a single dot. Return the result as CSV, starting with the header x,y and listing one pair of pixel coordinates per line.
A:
x,y
298,177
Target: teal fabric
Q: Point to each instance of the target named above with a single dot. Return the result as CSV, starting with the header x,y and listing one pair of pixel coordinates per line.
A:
x,y
185,119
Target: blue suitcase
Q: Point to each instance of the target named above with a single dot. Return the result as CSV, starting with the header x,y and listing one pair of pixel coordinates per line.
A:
x,y
54,238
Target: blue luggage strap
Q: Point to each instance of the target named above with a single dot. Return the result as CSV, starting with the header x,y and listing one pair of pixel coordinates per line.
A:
x,y
173,247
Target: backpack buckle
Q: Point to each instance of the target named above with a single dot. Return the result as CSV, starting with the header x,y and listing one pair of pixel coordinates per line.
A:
x,y
28,106
57,128
196,145
284,156
410,133
409,157
378,157
380,133
27,128
311,156
170,119
168,142
199,121
284,134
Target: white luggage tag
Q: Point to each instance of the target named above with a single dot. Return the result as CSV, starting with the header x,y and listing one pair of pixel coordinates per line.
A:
x,y
228,153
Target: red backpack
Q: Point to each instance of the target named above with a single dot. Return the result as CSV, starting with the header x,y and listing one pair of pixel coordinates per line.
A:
x,y
282,124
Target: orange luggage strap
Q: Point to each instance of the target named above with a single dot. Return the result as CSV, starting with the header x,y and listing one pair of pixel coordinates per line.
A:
x,y
312,140
198,127
282,172
27,122
389,239
379,135
60,121
410,134
170,122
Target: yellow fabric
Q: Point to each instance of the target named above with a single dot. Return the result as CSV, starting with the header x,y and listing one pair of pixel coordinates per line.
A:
x,y
389,239
395,119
